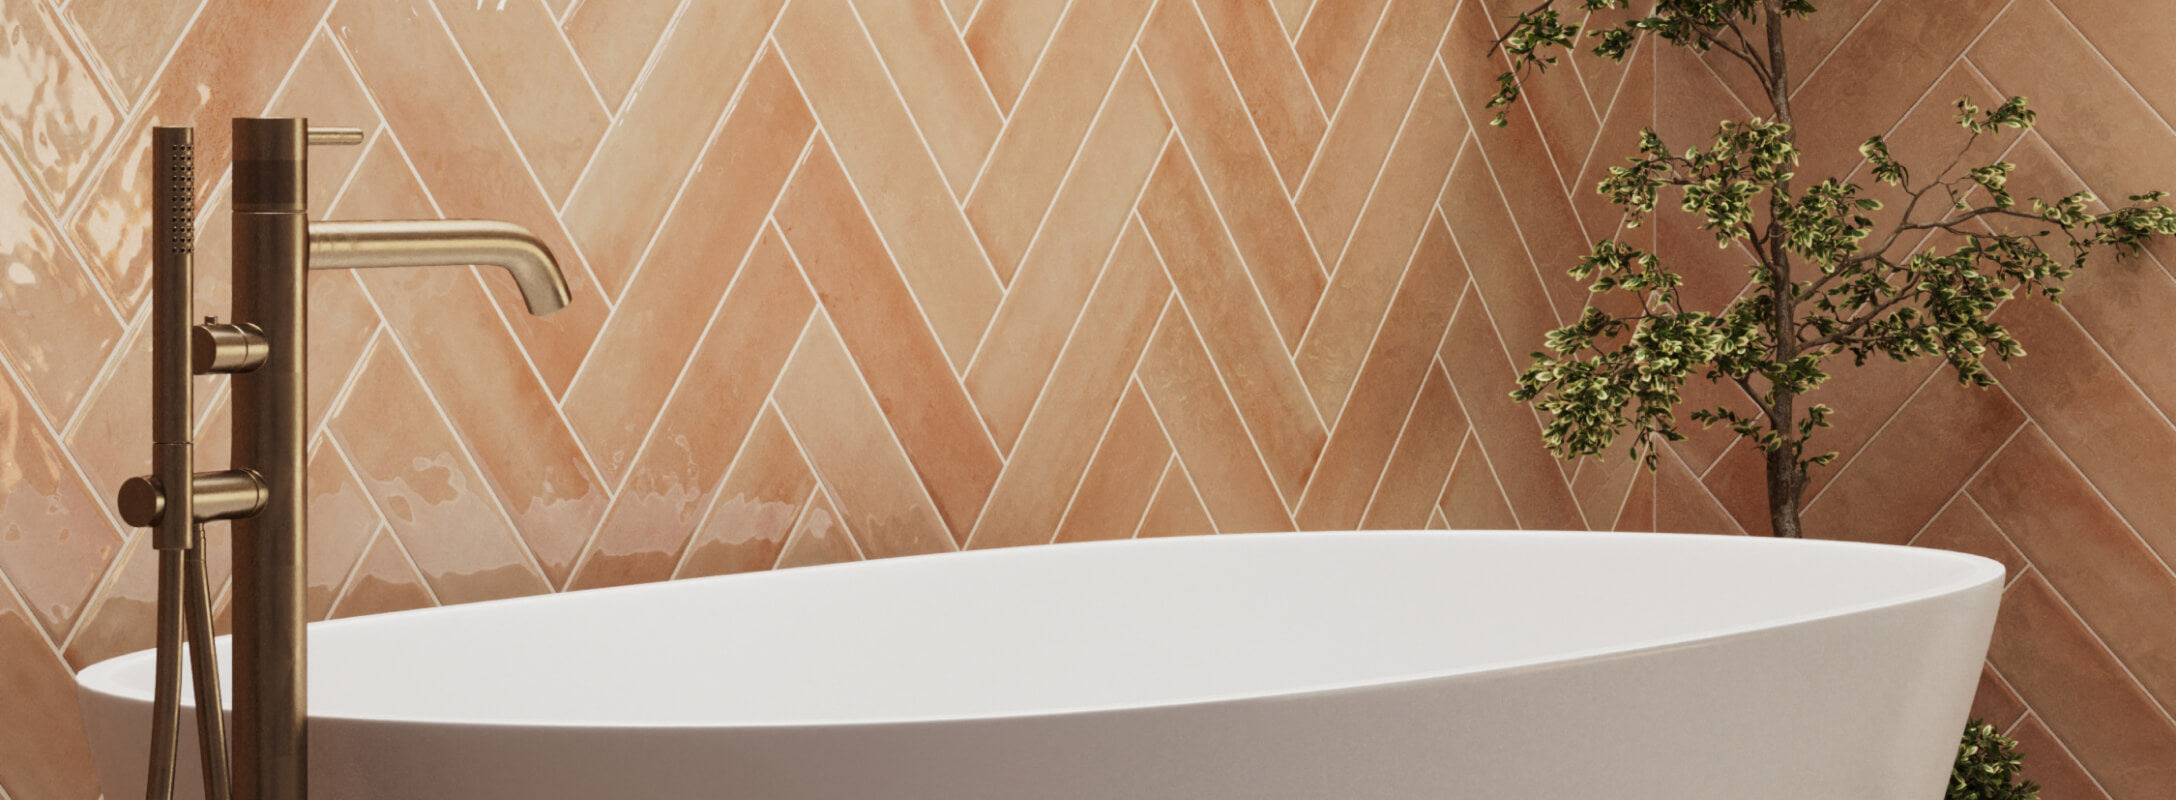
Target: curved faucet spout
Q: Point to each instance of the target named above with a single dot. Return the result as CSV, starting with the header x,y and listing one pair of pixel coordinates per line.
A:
x,y
440,243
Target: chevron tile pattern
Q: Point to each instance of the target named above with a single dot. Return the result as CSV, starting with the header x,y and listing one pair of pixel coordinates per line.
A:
x,y
867,278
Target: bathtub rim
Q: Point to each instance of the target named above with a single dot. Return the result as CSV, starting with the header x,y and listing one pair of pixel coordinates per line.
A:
x,y
1980,573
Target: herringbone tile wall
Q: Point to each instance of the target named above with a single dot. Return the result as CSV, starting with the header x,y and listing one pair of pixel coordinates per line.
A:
x,y
863,278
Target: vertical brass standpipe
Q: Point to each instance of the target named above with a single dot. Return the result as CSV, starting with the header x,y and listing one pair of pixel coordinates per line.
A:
x,y
270,255
173,239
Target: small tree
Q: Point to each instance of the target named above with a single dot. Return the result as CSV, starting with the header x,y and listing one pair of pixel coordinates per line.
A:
x,y
1827,280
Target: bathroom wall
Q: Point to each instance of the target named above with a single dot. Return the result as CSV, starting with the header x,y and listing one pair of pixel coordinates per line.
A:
x,y
864,278
853,280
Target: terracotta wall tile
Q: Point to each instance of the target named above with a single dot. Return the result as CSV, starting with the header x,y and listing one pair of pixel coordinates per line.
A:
x,y
525,64
130,37
342,521
1177,508
1046,295
2070,680
228,65
844,259
696,435
767,491
2051,765
42,749
1935,443
1389,238
2134,43
1402,355
699,251
1854,86
1490,245
615,40
1007,38
384,581
477,371
47,290
1331,44
1994,703
819,538
1421,464
1085,387
1683,505
1632,112
1032,158
1509,432
893,176
1965,528
660,133
2087,552
1638,514
468,164
51,111
122,617
1215,292
1206,430
55,540
434,498
1123,478
936,76
1234,166
1473,499
1271,80
843,434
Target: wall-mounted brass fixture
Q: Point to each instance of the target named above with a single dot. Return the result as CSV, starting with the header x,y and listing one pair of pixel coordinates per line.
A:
x,y
264,493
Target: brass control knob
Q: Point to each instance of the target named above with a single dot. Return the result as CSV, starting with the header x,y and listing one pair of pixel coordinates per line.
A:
x,y
227,494
214,347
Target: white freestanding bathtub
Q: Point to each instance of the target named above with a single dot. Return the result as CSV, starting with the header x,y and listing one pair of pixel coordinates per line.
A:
x,y
1333,665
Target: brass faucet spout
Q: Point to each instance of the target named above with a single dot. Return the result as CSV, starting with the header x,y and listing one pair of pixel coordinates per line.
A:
x,y
444,242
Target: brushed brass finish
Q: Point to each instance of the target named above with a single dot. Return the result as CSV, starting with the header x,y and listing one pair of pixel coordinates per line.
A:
x,y
226,348
265,349
226,494
320,137
444,243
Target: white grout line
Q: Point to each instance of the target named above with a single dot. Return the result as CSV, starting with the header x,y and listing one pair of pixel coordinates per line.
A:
x,y
1344,90
1841,469
2059,743
958,197
1839,45
2152,701
1232,79
580,68
1188,479
1322,112
1458,451
1162,477
717,492
1103,437
1964,488
1413,407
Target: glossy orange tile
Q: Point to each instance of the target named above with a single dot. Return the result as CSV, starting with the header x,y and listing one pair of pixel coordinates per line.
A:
x,y
469,165
1206,430
526,66
42,749
1241,336
1046,295
769,488
342,520
1031,159
47,290
646,155
1122,479
432,496
130,37
51,111
1420,466
480,375
691,442
842,432
1085,387
819,538
55,539
228,65
1176,509
384,581
1234,167
894,177
1487,240
1510,432
701,248
326,91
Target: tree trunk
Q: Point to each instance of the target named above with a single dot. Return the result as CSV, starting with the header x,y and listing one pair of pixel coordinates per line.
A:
x,y
1786,485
